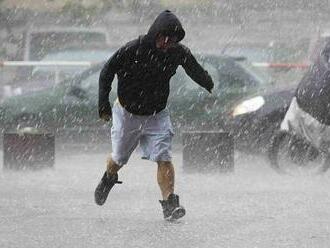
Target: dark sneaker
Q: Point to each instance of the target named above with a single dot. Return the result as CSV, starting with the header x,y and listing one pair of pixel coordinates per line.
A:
x,y
103,188
171,208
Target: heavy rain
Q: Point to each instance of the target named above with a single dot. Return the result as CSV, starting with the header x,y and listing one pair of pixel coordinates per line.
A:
x,y
185,123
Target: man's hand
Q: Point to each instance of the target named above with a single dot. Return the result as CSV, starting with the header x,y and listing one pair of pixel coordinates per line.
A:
x,y
105,117
105,112
210,88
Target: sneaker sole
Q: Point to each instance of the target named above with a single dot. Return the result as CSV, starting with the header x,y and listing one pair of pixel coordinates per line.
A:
x,y
102,190
178,213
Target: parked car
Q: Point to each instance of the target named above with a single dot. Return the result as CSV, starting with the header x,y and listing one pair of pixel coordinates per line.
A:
x,y
50,42
72,104
255,119
55,74
43,77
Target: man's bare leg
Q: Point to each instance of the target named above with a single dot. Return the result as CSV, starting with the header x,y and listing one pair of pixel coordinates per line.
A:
x,y
172,209
112,167
165,178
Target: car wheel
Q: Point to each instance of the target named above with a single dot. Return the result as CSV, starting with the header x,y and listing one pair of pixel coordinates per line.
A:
x,y
291,154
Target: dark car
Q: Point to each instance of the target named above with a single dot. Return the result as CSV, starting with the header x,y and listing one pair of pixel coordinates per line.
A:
x,y
71,106
54,68
255,119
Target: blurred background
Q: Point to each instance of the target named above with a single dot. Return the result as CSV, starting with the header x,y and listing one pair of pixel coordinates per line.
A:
x,y
262,30
63,43
210,24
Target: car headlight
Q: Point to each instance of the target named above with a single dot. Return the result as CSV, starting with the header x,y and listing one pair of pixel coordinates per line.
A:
x,y
249,106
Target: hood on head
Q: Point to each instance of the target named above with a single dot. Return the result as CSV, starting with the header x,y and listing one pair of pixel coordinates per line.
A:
x,y
168,24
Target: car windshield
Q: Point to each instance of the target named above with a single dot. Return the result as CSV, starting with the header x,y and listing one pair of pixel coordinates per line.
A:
x,y
259,75
218,67
94,56
226,73
251,53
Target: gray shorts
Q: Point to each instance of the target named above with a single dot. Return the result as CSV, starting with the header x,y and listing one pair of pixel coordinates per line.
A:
x,y
152,133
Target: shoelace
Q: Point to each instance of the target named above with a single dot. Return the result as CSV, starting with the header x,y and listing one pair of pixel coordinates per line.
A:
x,y
109,181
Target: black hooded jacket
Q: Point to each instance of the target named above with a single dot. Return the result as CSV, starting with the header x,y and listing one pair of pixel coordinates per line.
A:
x,y
144,71
313,92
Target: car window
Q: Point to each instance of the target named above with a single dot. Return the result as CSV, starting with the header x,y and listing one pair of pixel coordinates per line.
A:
x,y
255,54
43,76
182,83
227,74
232,76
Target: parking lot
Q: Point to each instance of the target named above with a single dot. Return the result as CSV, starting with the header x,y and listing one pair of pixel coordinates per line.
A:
x,y
255,51
252,207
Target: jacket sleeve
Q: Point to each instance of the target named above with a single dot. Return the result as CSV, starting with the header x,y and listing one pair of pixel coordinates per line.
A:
x,y
111,67
195,71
